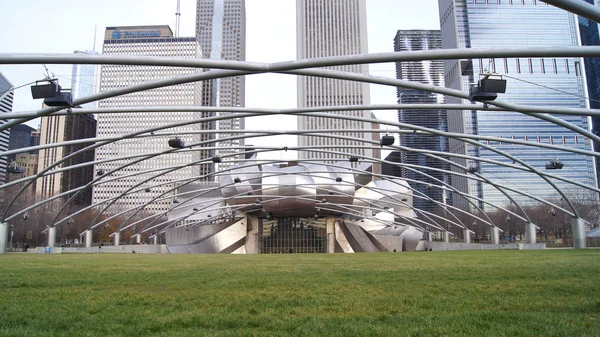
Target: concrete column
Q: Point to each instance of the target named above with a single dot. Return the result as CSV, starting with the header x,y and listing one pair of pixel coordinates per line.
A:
x,y
578,233
138,238
466,235
429,236
530,233
330,234
446,236
495,234
117,238
3,237
155,239
52,237
88,238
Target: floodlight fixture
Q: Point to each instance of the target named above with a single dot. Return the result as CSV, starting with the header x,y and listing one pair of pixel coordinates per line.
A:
x,y
554,164
176,143
216,159
487,88
353,159
338,179
387,140
237,180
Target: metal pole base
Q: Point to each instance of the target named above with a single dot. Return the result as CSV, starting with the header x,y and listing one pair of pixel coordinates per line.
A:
x,y
495,235
467,235
3,237
88,238
52,237
578,233
530,233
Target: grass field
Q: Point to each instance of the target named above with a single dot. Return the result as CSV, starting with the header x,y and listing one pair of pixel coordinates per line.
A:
x,y
477,293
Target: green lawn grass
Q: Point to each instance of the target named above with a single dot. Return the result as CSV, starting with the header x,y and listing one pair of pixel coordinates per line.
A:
x,y
466,293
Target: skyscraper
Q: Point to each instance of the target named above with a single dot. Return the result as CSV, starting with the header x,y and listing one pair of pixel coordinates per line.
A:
x,y
545,81
20,137
57,129
332,28
427,72
221,30
590,36
6,102
147,41
83,80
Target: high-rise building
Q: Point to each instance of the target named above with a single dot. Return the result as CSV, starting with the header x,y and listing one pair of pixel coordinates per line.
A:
x,y
147,41
535,81
20,137
221,30
83,80
590,36
427,72
6,103
57,129
332,28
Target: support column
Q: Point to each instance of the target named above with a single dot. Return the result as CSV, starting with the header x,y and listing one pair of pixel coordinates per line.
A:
x,y
155,239
466,235
252,228
429,236
3,237
138,238
495,235
330,234
530,233
446,236
52,237
117,238
578,233
88,238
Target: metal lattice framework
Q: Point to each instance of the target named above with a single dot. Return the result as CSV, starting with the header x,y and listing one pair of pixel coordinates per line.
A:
x,y
157,223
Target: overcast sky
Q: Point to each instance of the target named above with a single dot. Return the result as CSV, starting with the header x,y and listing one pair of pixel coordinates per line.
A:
x,y
62,26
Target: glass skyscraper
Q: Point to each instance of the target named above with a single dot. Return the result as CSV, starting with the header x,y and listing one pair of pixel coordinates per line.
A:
x,y
590,36
221,31
426,72
83,80
556,82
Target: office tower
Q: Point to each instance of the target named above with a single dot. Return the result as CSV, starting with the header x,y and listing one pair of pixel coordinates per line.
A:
x,y
147,41
332,28
427,72
58,129
536,81
590,36
6,102
83,80
20,137
221,30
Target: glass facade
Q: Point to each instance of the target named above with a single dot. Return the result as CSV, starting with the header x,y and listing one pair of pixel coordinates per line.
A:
x,y
221,31
590,36
427,72
555,82
83,80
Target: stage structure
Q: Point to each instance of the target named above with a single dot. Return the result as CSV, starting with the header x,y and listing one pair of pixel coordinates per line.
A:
x,y
293,208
